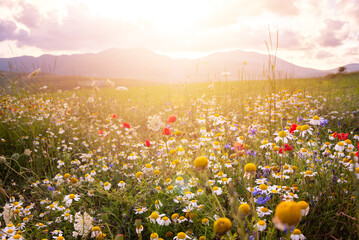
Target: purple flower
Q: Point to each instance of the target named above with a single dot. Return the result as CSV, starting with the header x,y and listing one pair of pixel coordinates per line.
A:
x,y
262,201
252,153
323,122
252,131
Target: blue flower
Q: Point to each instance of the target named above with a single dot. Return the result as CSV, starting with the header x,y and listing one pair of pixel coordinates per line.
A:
x,y
323,122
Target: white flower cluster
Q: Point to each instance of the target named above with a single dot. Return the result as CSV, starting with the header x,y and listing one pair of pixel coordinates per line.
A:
x,y
83,224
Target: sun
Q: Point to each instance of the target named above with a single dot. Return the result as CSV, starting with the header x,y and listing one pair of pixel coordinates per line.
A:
x,y
166,16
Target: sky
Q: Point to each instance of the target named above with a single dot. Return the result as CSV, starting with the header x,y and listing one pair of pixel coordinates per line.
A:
x,y
321,34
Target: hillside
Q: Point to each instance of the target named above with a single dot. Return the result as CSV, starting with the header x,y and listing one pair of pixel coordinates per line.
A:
x,y
141,63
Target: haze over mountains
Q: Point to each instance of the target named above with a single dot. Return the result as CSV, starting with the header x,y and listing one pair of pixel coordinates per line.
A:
x,y
141,63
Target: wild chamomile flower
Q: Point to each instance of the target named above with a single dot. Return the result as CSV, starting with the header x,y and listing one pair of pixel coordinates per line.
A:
x,y
71,197
179,180
309,173
306,130
282,136
121,185
165,221
16,237
225,180
91,193
181,236
181,219
263,211
304,207
297,235
107,186
170,188
141,210
205,221
217,190
95,232
174,217
315,121
340,146
154,236
261,225
189,195
155,217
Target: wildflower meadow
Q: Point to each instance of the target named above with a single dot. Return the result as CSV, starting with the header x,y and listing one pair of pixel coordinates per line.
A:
x,y
225,160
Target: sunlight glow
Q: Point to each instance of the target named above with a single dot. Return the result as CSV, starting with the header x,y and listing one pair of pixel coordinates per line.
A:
x,y
163,15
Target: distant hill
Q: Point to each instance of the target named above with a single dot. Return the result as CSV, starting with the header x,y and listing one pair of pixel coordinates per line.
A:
x,y
141,63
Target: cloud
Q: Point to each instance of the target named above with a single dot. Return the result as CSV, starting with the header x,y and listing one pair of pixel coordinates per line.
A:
x,y
307,27
323,54
9,31
333,34
77,31
349,9
281,7
30,16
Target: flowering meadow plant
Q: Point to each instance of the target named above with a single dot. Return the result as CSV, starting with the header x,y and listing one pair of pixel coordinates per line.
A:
x,y
83,165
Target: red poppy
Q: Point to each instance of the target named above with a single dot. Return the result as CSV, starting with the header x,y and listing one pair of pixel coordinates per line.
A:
x,y
114,116
293,128
286,148
166,131
148,143
100,132
341,136
238,146
171,119
126,125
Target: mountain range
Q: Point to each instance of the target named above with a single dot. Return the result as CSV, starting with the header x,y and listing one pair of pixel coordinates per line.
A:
x,y
144,64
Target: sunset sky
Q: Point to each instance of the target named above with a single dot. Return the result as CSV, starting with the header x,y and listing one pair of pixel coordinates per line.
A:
x,y
321,34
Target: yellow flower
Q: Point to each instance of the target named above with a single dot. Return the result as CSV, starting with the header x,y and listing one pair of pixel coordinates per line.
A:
x,y
304,127
222,225
154,236
282,134
201,162
250,167
244,209
205,221
154,215
250,170
304,207
181,236
287,214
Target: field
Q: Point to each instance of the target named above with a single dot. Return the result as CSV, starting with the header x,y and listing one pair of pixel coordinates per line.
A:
x,y
224,160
